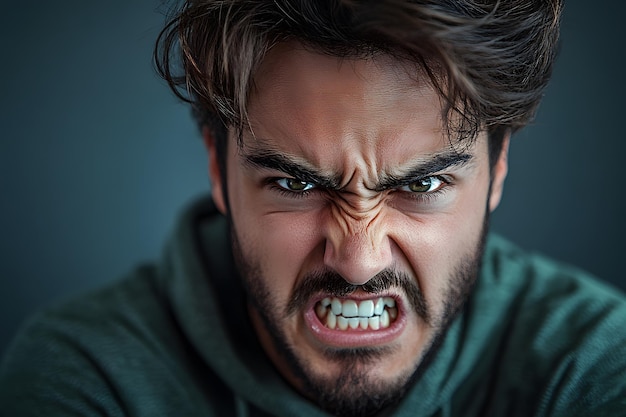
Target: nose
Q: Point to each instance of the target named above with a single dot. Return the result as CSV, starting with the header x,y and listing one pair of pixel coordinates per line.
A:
x,y
358,252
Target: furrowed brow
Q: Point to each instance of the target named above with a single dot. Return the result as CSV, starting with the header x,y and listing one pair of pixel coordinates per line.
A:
x,y
435,164
278,162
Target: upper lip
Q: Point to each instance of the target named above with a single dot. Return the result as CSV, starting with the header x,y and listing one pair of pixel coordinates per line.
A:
x,y
357,296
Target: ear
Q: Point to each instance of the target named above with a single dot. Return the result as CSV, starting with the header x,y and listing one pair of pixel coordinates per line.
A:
x,y
500,170
217,191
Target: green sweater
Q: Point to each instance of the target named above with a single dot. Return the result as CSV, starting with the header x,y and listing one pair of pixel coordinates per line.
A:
x,y
535,339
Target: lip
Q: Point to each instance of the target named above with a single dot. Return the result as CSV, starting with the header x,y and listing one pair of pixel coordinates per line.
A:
x,y
358,337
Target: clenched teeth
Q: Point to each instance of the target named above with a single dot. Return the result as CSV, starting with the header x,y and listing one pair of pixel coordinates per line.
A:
x,y
350,314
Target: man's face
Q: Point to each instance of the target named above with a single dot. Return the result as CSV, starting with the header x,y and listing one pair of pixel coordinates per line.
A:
x,y
357,223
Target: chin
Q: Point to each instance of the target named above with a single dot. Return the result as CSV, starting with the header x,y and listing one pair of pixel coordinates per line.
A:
x,y
356,381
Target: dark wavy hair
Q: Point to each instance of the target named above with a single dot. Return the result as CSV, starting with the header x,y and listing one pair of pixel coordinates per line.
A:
x,y
490,60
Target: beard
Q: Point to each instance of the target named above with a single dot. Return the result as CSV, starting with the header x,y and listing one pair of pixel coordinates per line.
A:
x,y
354,392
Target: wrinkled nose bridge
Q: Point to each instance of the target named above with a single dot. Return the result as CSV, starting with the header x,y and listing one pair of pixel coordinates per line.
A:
x,y
357,246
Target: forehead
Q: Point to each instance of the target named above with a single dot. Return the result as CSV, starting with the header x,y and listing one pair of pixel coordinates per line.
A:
x,y
291,66
328,110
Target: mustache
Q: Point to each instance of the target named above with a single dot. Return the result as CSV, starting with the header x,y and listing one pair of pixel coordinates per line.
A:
x,y
333,284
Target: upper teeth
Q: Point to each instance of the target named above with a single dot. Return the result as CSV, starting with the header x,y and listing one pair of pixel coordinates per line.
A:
x,y
365,314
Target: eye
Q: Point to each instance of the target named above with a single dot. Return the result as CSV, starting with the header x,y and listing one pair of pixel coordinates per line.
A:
x,y
424,185
294,185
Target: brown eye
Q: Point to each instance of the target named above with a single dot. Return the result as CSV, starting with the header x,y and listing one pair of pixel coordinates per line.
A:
x,y
294,185
424,185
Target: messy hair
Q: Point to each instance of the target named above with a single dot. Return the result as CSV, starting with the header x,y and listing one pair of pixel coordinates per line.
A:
x,y
490,60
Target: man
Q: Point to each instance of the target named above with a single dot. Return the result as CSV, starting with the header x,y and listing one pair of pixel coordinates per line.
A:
x,y
343,264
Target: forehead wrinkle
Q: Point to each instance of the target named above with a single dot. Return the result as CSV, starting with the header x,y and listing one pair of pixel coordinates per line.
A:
x,y
358,176
262,153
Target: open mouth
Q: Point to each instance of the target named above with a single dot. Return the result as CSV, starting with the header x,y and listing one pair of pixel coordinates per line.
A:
x,y
356,322
348,314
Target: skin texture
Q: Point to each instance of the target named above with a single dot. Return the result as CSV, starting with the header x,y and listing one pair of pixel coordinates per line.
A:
x,y
336,183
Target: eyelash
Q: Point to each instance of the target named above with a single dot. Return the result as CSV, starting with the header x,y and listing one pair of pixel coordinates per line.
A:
x,y
290,194
429,197
271,183
422,198
425,198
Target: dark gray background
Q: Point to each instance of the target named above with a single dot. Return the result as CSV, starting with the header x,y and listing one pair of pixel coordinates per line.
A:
x,y
97,157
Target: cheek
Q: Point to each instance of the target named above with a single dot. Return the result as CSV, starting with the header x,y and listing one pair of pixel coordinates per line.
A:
x,y
290,239
284,245
435,246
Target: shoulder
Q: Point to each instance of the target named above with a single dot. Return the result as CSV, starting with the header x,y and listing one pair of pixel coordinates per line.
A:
x,y
563,331
64,347
105,353
540,288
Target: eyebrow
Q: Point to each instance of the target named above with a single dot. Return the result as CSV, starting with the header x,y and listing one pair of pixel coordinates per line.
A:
x,y
430,166
268,159
275,161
